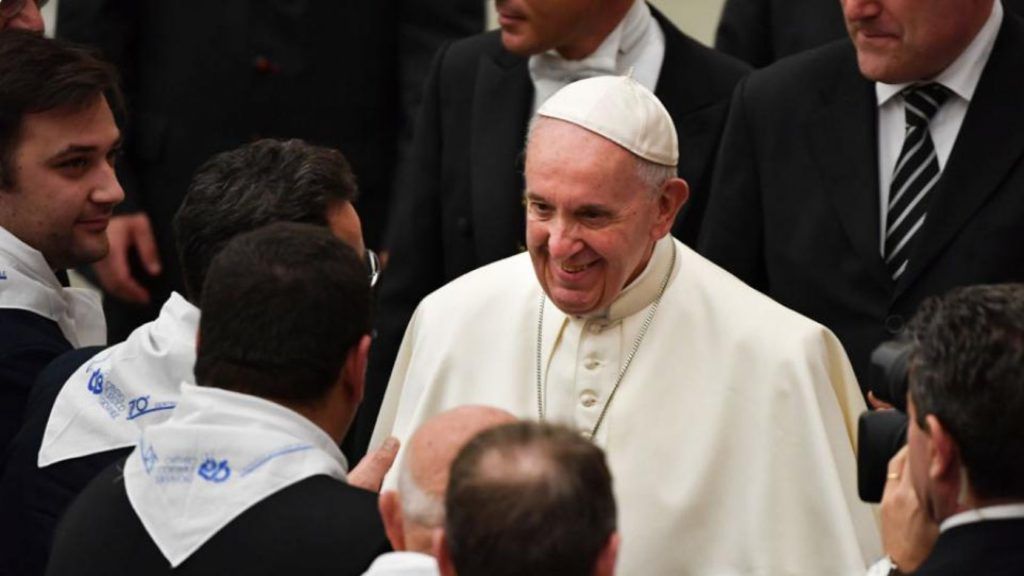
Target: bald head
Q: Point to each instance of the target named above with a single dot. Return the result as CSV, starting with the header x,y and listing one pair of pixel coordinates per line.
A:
x,y
418,507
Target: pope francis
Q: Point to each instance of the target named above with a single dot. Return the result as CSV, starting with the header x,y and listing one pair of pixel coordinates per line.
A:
x,y
727,419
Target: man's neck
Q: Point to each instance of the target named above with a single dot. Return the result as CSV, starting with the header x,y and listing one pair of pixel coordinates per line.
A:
x,y
607,18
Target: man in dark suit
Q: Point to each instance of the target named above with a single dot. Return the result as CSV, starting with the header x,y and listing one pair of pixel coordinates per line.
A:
x,y
246,477
58,143
458,205
820,200
203,77
762,31
961,476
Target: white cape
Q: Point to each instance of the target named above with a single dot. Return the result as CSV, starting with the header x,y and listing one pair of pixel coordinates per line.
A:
x,y
731,439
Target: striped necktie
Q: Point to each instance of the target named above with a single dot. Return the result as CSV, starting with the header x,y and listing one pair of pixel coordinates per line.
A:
x,y
917,171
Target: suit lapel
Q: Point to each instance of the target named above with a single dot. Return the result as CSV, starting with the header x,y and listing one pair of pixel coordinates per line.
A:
x,y
848,165
502,103
989,145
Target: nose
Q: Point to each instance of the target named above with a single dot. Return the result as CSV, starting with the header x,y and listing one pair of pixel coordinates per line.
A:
x,y
563,239
107,189
854,10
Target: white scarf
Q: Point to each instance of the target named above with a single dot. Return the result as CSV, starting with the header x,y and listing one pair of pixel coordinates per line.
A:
x,y
636,44
28,283
111,398
218,455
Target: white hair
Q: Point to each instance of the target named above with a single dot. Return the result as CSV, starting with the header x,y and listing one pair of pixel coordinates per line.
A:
x,y
418,506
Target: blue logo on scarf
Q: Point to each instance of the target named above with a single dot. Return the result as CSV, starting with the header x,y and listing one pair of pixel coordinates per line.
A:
x,y
149,459
140,407
3,274
213,471
96,382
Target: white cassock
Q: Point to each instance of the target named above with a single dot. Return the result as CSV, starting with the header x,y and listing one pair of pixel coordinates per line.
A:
x,y
730,439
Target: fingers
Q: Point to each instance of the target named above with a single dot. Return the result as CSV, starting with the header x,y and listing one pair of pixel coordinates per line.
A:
x,y
897,466
369,473
145,243
877,404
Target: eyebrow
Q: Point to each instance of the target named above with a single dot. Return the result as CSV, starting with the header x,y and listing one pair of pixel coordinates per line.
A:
x,y
72,149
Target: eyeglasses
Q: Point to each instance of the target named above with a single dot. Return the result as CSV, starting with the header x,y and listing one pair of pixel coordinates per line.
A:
x,y
11,8
373,266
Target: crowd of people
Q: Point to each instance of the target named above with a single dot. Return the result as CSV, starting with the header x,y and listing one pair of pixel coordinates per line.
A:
x,y
621,320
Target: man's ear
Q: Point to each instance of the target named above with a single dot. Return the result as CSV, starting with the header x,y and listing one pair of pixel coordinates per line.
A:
x,y
354,371
391,513
605,565
943,456
671,198
444,559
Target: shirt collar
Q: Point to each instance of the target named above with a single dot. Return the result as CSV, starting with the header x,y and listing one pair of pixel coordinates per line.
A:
x,y
30,261
1001,512
624,38
639,293
962,76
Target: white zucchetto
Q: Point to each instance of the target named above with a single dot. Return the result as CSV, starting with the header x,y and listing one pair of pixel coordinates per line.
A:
x,y
621,110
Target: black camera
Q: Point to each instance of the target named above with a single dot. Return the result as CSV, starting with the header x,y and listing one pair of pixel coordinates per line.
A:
x,y
881,433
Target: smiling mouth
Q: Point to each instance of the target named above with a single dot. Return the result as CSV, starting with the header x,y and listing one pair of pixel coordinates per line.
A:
x,y
575,269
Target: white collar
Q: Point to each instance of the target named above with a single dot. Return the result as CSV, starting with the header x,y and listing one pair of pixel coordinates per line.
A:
x,y
962,76
403,564
116,394
603,61
218,455
1000,512
28,283
639,293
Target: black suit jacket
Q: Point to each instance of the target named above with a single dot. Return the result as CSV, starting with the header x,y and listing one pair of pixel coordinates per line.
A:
x,y
763,31
204,77
990,548
28,342
459,202
316,526
33,499
795,204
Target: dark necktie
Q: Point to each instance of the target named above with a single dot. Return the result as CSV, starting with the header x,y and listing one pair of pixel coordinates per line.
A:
x,y
917,171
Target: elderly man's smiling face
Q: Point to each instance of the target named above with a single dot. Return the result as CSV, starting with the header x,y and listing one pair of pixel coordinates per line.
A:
x,y
591,221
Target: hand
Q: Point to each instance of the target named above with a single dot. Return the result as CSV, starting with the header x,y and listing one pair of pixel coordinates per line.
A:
x,y
113,272
908,533
877,404
369,473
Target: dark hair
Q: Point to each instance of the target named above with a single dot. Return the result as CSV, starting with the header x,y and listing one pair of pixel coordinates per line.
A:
x,y
41,74
282,307
967,368
528,498
251,186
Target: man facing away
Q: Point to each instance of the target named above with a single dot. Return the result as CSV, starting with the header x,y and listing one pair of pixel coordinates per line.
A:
x,y
728,420
458,199
58,146
963,466
90,406
246,475
860,178
414,513
529,498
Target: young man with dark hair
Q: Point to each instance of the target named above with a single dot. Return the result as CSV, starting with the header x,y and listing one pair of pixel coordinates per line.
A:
x,y
246,476
58,143
529,498
91,405
964,460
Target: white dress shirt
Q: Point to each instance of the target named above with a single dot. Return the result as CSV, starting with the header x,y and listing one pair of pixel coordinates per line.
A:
x,y
961,78
636,46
